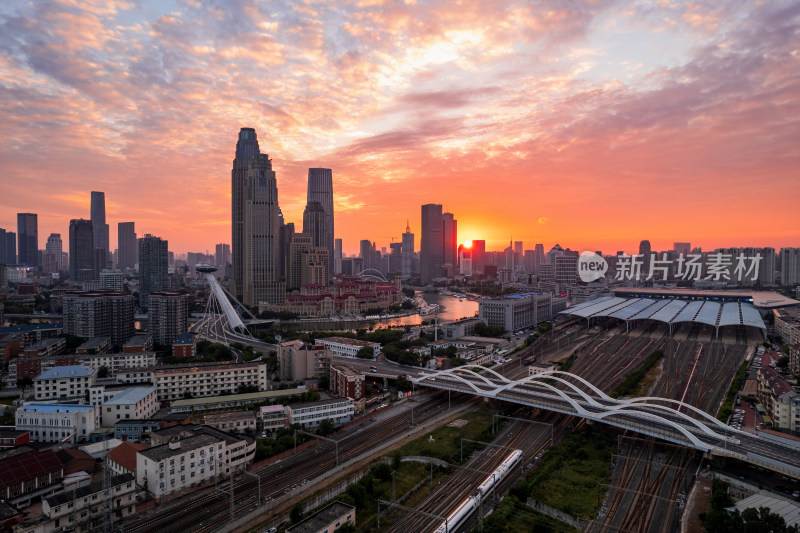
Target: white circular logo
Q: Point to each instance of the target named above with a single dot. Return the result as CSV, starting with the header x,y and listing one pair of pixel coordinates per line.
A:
x,y
591,266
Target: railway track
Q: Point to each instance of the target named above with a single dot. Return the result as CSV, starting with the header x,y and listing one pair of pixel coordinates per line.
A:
x,y
210,509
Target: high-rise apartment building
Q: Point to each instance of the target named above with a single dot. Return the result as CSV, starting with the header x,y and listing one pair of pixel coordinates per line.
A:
x,y
27,239
261,269
98,218
126,244
167,316
222,254
431,243
246,149
153,267
320,189
337,256
99,314
315,266
449,243
81,250
368,254
790,266
518,255
408,253
766,272
8,247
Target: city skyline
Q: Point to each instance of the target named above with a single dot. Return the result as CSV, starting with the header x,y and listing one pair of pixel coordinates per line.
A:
x,y
594,127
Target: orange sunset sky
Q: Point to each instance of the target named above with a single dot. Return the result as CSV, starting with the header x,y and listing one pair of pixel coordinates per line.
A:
x,y
592,124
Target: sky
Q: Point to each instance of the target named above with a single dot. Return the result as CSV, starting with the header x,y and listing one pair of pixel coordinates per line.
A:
x,y
594,124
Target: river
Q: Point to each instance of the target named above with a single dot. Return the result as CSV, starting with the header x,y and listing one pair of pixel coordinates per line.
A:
x,y
450,308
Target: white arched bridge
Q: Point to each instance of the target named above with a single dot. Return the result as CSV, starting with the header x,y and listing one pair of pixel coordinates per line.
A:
x,y
666,419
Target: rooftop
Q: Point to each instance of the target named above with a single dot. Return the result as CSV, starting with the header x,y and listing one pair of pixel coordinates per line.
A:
x,y
80,492
125,454
131,396
26,466
69,371
56,407
251,397
138,340
320,519
185,338
227,417
766,299
198,367
94,343
790,511
318,403
348,341
164,451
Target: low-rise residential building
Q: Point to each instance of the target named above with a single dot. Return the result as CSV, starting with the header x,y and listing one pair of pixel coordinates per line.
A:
x,y
538,368
235,422
59,382
298,361
787,327
116,362
45,347
327,520
12,438
460,328
122,459
780,400
174,382
347,382
185,345
142,342
273,419
132,403
185,458
311,414
231,401
52,422
346,347
135,430
29,475
82,509
94,345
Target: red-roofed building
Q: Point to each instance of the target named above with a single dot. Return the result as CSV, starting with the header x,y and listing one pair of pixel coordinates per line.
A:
x,y
29,475
122,459
75,460
351,295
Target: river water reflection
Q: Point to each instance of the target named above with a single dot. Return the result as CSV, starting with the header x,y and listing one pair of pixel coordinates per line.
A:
x,y
450,308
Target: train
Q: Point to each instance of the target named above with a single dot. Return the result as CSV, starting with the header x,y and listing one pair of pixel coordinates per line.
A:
x,y
457,518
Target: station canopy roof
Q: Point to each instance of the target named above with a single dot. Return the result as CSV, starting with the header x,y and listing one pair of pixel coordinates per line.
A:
x,y
670,311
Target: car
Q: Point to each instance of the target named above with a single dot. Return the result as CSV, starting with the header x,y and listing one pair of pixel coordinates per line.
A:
x,y
272,530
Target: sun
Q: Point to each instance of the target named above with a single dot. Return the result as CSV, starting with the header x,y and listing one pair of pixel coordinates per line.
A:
x,y
467,244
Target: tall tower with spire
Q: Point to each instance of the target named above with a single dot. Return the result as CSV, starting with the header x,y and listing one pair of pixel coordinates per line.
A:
x,y
246,149
407,269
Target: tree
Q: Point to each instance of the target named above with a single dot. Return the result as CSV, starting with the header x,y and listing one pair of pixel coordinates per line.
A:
x,y
102,372
325,428
367,352
382,471
296,514
24,383
324,383
403,383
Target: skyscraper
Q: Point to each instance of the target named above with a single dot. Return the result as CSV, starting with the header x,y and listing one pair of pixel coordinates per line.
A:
x,y
367,254
222,255
431,248
320,189
27,239
315,224
299,243
337,256
246,149
52,258
81,250
126,243
518,255
8,247
450,243
790,266
682,248
407,269
98,217
478,256
153,267
261,268
644,251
